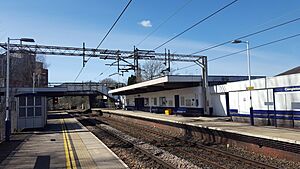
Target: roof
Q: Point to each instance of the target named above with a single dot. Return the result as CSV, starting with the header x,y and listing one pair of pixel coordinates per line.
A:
x,y
291,71
162,83
175,82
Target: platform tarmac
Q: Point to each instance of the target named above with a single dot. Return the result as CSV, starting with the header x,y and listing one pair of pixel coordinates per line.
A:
x,y
64,143
287,135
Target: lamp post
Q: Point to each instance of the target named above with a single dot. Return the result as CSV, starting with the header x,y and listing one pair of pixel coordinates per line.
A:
x,y
249,77
33,81
7,108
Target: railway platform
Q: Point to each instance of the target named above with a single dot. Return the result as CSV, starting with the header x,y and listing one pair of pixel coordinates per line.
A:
x,y
268,138
219,123
64,143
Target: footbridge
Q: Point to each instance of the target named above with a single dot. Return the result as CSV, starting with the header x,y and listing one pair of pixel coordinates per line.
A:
x,y
68,89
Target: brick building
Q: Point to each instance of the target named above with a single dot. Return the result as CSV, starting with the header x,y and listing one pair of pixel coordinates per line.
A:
x,y
24,70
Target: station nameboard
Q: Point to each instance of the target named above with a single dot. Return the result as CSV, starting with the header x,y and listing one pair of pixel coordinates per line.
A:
x,y
287,89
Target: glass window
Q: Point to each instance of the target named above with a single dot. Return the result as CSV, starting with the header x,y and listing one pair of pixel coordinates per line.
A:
x,y
146,101
22,101
182,101
38,100
170,103
29,111
154,101
162,101
22,112
30,101
188,102
38,111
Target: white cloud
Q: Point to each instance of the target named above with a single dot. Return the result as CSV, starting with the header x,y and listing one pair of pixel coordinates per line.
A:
x,y
145,23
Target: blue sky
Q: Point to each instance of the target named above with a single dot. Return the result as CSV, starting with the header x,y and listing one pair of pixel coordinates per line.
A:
x,y
71,22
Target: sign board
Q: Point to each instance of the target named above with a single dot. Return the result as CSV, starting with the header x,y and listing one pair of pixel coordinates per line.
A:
x,y
250,88
269,103
287,89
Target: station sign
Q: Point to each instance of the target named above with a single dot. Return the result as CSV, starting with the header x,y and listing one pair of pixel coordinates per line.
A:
x,y
287,89
269,103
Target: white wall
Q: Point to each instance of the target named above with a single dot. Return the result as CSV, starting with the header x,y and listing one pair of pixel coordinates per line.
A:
x,y
188,94
262,95
218,102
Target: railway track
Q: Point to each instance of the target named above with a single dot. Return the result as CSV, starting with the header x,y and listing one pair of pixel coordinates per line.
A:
x,y
200,154
114,142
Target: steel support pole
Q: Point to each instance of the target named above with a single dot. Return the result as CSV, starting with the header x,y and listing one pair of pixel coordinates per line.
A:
x,y
33,81
250,85
205,86
7,108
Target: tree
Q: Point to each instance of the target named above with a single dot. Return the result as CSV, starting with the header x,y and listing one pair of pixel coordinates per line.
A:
x,y
131,80
42,58
109,82
151,69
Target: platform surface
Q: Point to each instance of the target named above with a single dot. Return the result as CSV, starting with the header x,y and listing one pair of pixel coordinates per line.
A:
x,y
219,123
64,143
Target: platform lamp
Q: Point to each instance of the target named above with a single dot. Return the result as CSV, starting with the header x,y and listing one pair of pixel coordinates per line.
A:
x,y
7,108
249,76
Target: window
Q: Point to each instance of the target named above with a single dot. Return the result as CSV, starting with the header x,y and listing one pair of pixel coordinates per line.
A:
x,y
30,106
182,101
170,103
30,101
154,101
29,111
38,111
38,100
188,102
162,101
22,101
22,112
146,101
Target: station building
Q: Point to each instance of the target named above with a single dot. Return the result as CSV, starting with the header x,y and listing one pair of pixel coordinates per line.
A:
x,y
182,94
275,100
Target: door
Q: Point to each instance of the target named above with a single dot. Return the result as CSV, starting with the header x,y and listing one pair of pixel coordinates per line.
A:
x,y
139,103
176,98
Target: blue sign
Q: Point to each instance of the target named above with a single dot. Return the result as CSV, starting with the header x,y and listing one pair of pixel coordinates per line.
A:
x,y
287,89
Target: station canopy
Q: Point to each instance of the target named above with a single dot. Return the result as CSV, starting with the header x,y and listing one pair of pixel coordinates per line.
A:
x,y
163,83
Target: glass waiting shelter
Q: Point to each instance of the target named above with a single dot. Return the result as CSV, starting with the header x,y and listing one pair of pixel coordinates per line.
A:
x,y
31,110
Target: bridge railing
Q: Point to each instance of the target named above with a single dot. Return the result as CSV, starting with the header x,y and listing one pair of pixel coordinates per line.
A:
x,y
97,87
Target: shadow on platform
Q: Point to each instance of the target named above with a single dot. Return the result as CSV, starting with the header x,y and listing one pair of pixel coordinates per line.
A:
x,y
8,147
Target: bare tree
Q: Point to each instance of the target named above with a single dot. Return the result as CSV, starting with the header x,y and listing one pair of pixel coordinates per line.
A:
x,y
151,69
42,58
109,82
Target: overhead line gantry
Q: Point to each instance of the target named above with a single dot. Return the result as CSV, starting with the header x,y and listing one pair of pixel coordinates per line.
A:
x,y
97,53
118,55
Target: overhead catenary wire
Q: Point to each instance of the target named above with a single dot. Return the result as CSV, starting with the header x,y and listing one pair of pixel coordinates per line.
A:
x,y
194,25
105,36
164,22
100,74
255,47
114,24
248,35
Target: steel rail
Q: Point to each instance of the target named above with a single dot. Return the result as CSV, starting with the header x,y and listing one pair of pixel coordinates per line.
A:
x,y
143,151
214,150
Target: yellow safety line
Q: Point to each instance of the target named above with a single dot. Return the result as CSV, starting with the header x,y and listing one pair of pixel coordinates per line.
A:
x,y
70,160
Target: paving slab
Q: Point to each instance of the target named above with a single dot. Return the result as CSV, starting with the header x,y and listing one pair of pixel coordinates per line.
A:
x,y
64,143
